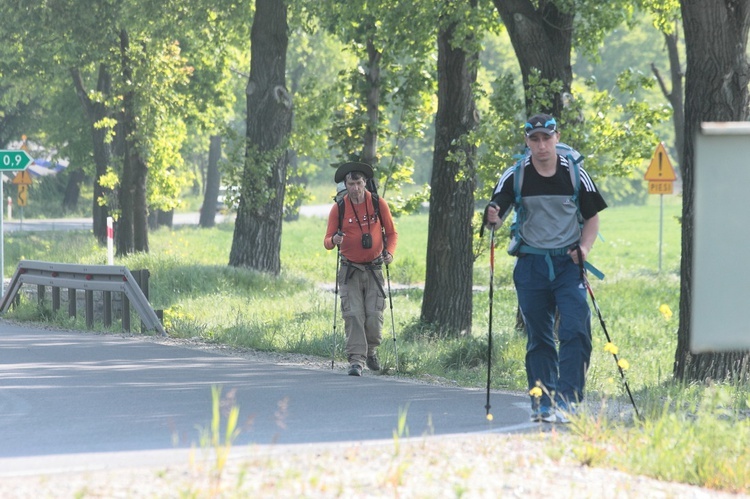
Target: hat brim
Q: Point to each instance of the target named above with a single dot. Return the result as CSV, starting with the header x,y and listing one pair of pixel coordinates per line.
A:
x,y
352,166
540,130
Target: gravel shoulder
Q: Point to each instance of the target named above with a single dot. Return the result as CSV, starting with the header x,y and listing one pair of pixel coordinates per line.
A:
x,y
477,466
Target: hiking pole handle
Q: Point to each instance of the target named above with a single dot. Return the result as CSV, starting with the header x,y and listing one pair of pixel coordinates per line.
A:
x,y
340,234
495,206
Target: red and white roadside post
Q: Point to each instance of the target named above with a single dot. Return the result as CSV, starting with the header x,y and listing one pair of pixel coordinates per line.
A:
x,y
110,242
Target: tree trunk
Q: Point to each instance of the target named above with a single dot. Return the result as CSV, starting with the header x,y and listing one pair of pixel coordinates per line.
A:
x,y
370,147
213,182
132,234
73,190
447,301
716,89
542,40
140,202
257,231
97,111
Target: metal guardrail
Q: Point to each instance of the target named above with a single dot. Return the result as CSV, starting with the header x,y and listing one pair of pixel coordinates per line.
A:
x,y
90,278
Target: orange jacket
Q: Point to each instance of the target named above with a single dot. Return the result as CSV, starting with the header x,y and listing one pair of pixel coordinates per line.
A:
x,y
352,248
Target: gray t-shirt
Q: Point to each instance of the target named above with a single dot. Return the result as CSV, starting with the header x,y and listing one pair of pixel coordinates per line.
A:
x,y
550,217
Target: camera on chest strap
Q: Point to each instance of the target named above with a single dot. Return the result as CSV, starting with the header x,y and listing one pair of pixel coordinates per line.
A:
x,y
367,240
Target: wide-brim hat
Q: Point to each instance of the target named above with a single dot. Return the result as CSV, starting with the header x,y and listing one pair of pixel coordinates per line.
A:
x,y
352,166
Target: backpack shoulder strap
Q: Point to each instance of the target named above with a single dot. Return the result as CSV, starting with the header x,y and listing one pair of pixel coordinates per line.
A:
x,y
341,206
518,171
574,170
376,205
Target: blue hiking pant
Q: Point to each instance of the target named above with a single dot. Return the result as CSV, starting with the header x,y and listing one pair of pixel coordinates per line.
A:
x,y
562,374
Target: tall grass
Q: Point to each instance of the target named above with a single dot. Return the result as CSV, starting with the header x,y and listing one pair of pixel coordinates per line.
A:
x,y
204,298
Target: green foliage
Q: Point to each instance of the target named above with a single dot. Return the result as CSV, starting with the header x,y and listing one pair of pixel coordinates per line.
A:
x,y
614,138
175,67
218,441
394,64
692,435
466,353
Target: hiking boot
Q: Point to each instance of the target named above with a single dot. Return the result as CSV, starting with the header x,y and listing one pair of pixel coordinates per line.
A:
x,y
543,414
355,370
372,363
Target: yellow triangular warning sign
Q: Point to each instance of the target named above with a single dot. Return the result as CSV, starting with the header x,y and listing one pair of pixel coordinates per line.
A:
x,y
22,178
660,167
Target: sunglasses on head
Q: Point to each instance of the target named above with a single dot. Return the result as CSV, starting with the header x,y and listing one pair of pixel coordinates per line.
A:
x,y
551,124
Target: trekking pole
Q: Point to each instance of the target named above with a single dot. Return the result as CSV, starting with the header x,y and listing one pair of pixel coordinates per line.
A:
x,y
489,334
335,297
393,323
606,333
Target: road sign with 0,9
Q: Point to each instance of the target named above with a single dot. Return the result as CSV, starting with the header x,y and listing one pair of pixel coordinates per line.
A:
x,y
14,160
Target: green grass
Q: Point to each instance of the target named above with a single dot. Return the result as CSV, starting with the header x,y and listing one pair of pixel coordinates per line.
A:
x,y
204,298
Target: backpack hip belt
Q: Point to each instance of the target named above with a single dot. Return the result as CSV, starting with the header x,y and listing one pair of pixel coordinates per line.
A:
x,y
370,267
549,253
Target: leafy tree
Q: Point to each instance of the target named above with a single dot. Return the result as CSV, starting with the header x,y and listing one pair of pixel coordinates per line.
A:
x,y
385,97
613,127
716,89
543,34
667,21
138,107
447,301
257,232
315,60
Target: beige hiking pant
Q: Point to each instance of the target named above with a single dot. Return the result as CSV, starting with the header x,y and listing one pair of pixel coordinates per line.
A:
x,y
362,305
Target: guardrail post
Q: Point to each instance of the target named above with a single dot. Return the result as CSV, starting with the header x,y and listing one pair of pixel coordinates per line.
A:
x,y
89,301
107,299
55,298
40,294
125,314
142,277
72,302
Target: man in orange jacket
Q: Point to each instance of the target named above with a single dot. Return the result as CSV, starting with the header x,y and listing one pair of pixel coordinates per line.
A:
x,y
366,240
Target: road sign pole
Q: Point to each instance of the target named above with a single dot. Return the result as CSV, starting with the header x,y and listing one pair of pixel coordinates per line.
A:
x,y
661,226
2,242
660,175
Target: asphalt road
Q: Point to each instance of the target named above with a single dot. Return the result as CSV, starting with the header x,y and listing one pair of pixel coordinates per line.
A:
x,y
193,218
46,224
74,399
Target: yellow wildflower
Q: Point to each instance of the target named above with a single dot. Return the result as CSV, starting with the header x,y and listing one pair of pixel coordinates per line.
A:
x,y
665,311
611,348
535,392
624,364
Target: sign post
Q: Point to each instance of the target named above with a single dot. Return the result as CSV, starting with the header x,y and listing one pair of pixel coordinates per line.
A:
x,y
660,176
10,161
